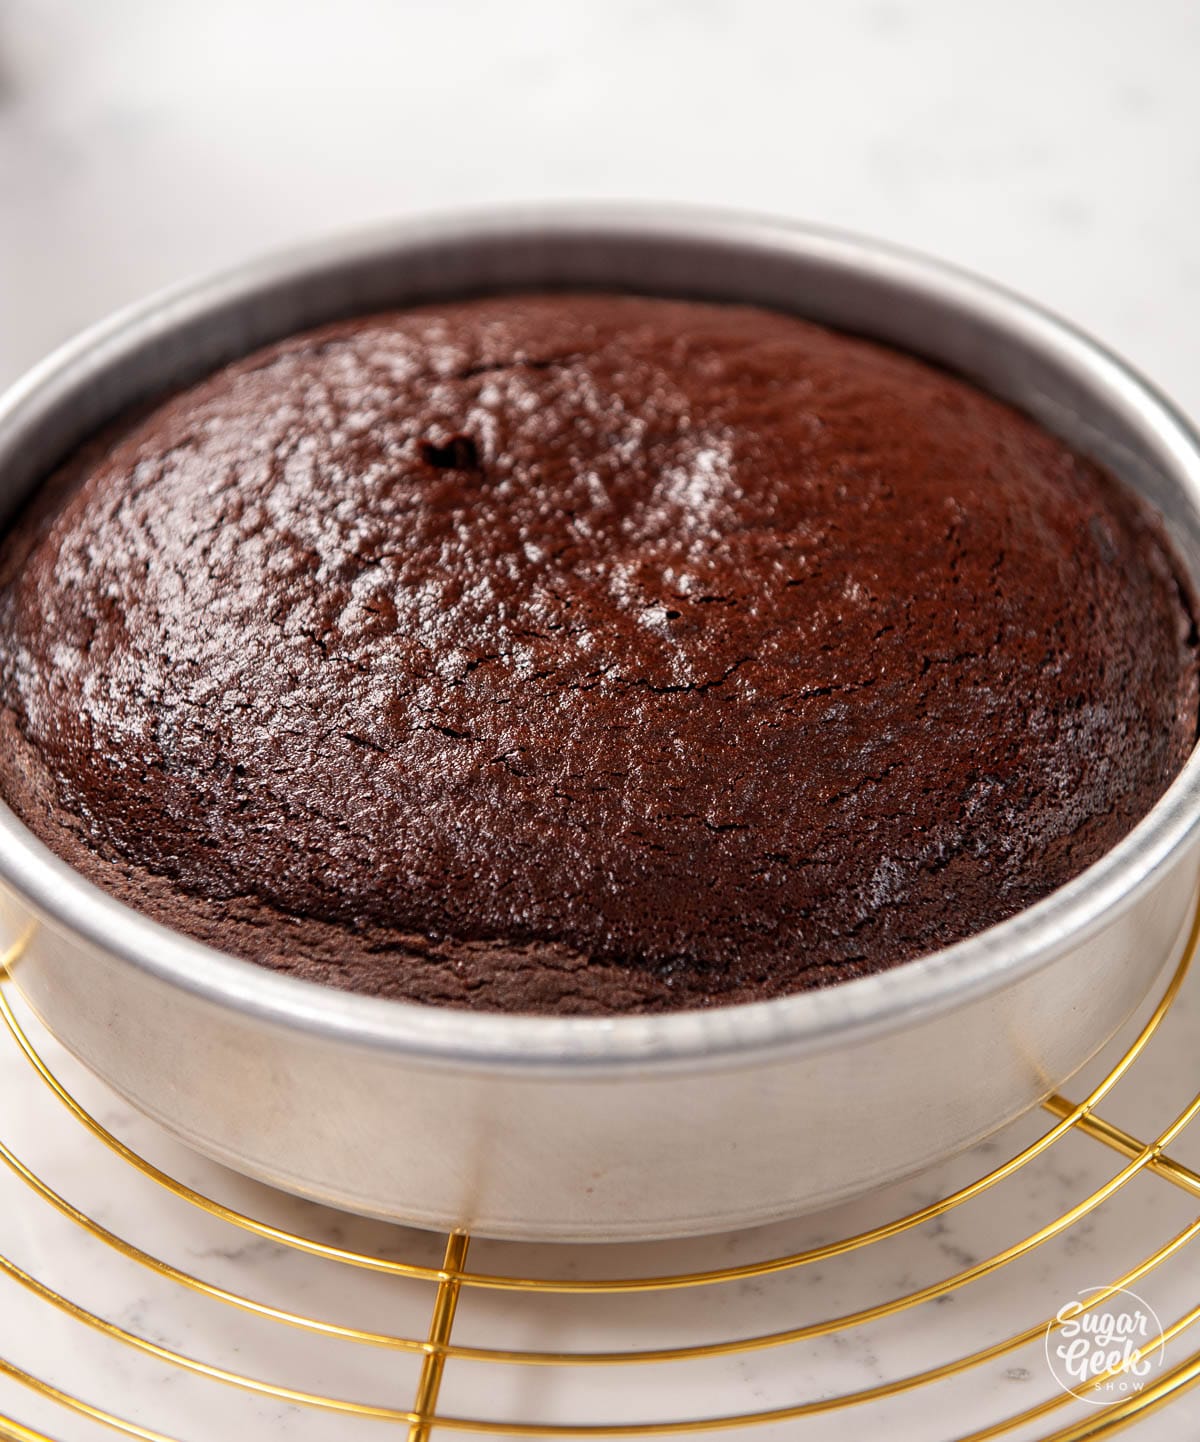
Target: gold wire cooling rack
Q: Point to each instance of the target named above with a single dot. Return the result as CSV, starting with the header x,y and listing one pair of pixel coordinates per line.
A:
x,y
437,1352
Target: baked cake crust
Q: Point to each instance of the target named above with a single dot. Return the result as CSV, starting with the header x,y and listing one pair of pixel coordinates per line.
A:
x,y
583,653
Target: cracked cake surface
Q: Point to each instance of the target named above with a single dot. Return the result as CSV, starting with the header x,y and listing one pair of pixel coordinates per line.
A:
x,y
583,653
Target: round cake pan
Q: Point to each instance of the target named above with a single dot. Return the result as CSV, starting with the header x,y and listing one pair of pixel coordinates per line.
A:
x,y
591,1128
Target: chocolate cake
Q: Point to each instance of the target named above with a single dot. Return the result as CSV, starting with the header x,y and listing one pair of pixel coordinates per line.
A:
x,y
586,654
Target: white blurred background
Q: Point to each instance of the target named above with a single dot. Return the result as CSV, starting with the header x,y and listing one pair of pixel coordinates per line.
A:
x,y
1053,144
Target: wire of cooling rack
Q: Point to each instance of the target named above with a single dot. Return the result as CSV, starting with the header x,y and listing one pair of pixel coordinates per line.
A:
x,y
438,1350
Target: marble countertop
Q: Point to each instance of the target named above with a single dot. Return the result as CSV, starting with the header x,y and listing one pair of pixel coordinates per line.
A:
x,y
156,1392
1054,147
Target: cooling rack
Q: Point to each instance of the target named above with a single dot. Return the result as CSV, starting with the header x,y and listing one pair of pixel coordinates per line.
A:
x,y
437,1353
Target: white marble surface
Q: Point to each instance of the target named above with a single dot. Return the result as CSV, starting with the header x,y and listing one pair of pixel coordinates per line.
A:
x,y
1110,1240
1054,146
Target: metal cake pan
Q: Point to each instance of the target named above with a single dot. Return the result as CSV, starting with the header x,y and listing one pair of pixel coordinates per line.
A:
x,y
604,1128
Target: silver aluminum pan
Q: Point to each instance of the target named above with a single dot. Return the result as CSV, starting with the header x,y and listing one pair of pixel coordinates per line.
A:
x,y
593,1128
